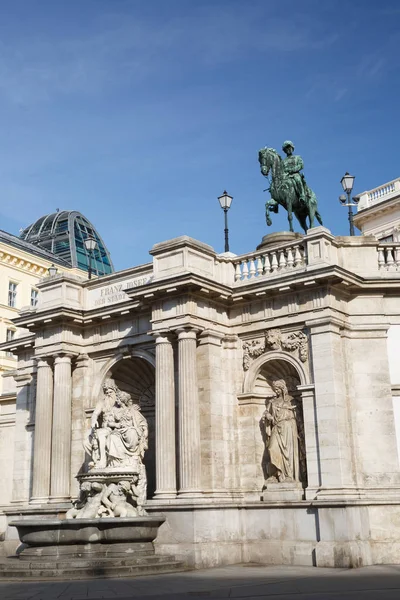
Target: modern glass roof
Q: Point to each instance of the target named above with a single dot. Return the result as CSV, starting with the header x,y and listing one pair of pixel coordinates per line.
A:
x,y
63,233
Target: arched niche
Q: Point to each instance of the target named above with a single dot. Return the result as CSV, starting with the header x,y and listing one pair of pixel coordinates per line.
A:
x,y
257,390
136,375
283,362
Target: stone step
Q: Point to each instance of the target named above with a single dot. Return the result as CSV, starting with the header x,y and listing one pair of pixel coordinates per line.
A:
x,y
86,562
107,570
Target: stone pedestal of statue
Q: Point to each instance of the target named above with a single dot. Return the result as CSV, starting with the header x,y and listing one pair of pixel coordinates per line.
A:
x,y
279,237
276,492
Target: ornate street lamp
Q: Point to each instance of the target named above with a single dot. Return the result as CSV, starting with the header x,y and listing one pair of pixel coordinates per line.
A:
x,y
347,182
52,271
225,202
90,245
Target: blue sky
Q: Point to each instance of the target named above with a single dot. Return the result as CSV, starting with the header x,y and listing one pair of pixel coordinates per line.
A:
x,y
139,114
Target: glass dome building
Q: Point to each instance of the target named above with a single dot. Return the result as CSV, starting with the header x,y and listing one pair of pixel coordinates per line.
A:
x,y
63,233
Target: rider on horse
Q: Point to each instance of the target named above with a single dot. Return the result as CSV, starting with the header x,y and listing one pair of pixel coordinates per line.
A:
x,y
292,166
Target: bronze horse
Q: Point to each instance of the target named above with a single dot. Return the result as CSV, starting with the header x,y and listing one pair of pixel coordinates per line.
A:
x,y
283,192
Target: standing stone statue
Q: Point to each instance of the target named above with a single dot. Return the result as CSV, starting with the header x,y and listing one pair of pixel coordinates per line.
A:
x,y
281,436
102,417
288,187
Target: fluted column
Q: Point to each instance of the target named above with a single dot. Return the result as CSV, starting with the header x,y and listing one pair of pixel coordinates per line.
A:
x,y
43,425
165,419
189,416
61,437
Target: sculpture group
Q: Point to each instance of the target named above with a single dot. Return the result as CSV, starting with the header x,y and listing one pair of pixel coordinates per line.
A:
x,y
115,484
288,187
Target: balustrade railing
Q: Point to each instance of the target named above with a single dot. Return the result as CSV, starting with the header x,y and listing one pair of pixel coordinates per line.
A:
x,y
389,256
270,262
384,190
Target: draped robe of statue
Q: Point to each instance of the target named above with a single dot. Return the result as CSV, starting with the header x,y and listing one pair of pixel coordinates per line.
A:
x,y
128,437
119,433
281,434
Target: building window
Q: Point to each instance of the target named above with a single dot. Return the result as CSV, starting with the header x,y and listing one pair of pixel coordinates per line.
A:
x,y
10,336
34,297
12,294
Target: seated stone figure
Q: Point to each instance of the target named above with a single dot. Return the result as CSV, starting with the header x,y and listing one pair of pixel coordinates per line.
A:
x,y
119,434
128,436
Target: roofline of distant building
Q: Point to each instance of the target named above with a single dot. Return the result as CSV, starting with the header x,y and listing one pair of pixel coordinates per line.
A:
x,y
17,242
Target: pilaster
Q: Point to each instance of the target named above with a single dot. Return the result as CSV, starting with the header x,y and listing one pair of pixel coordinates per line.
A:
x,y
165,418
218,406
43,430
61,431
80,400
189,415
371,409
23,440
333,433
311,440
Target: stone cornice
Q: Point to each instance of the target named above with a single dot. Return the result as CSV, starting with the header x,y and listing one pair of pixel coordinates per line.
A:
x,y
306,279
14,260
379,208
295,280
184,282
18,343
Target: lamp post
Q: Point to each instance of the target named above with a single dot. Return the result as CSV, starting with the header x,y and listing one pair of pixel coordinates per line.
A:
x,y
52,271
90,245
225,202
347,182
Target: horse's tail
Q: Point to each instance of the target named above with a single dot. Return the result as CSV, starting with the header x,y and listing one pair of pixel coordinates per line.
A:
x,y
318,217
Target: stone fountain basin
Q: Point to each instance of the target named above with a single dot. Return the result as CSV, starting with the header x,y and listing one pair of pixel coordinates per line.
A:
x,y
54,532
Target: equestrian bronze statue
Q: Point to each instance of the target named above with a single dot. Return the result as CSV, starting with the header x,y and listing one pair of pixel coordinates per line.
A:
x,y
288,187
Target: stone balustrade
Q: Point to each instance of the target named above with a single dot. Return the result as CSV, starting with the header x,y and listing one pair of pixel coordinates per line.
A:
x,y
380,194
270,262
389,256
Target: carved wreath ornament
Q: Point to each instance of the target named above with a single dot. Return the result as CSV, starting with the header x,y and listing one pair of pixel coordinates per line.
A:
x,y
274,339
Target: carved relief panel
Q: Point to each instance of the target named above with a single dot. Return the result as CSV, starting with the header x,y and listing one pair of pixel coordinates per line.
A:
x,y
295,342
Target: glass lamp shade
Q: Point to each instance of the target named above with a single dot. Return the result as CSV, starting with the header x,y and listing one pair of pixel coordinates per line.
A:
x,y
347,182
225,200
52,271
90,243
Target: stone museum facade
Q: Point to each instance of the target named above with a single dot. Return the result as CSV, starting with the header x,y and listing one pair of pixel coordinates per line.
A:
x,y
268,384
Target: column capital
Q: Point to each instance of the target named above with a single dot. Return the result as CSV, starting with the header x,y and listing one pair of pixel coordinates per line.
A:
x,y
43,361
326,324
187,333
63,358
81,360
209,336
162,337
306,391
